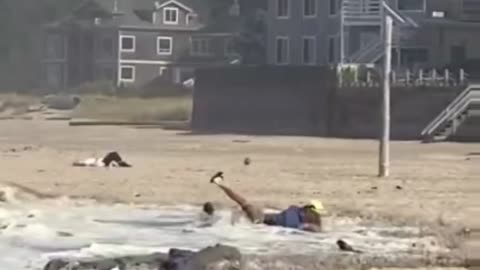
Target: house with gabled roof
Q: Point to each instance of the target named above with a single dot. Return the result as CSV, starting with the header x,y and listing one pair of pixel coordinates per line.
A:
x,y
132,42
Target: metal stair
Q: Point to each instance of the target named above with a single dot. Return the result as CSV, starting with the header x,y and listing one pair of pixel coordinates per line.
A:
x,y
371,54
372,13
447,123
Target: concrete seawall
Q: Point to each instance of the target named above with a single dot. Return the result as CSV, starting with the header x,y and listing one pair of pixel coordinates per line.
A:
x,y
306,101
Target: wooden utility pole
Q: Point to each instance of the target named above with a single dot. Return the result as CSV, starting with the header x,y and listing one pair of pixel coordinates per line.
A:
x,y
384,157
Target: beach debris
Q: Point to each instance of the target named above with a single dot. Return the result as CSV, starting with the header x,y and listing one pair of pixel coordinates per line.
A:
x,y
344,246
246,161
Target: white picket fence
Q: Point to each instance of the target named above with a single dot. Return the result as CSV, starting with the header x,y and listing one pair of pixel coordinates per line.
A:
x,y
354,77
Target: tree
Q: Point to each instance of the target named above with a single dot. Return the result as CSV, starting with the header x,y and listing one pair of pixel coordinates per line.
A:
x,y
20,25
251,43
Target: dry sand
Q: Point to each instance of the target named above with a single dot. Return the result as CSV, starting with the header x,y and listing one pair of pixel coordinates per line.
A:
x,y
438,183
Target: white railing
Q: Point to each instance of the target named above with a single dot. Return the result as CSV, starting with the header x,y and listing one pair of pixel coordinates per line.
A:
x,y
368,54
457,106
353,76
362,11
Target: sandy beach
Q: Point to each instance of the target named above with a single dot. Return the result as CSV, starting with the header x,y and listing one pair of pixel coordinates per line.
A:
x,y
435,181
433,184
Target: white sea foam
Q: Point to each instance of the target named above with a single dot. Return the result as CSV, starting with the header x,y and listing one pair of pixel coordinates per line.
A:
x,y
36,231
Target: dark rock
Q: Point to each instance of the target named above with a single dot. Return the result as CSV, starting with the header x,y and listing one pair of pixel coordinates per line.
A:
x,y
218,257
61,102
344,246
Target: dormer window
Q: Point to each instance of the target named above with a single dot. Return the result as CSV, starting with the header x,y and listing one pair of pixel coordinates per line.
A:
x,y
170,15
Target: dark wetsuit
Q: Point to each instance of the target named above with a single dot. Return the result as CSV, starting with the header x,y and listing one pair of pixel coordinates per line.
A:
x,y
293,217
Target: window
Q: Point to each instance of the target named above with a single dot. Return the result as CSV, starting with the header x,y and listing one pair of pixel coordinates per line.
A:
x,y
127,43
309,8
282,50
127,74
333,6
170,15
331,50
164,45
411,5
283,8
200,46
309,51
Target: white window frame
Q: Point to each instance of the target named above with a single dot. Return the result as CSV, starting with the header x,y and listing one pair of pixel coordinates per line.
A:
x,y
337,11
314,9
133,42
277,9
193,53
314,55
165,9
133,73
424,7
170,39
287,56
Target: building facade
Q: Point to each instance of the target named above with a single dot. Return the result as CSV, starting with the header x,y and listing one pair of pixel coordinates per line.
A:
x,y
133,42
427,33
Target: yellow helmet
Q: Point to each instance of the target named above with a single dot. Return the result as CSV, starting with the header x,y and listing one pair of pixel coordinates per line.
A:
x,y
317,207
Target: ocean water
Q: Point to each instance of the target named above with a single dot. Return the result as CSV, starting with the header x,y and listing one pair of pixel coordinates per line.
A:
x,y
32,232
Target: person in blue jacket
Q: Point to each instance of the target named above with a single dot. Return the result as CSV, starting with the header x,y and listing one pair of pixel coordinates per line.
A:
x,y
305,217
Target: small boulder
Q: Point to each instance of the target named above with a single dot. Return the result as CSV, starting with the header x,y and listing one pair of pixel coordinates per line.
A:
x,y
61,102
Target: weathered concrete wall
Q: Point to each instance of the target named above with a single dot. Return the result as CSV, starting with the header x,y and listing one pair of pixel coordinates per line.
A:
x,y
305,101
357,111
281,100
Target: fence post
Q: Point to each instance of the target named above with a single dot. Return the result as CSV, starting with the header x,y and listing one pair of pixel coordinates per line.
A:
x,y
369,77
407,77
462,76
420,76
394,77
434,76
447,77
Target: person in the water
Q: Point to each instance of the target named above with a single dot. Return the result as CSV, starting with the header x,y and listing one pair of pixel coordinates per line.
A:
x,y
307,217
208,216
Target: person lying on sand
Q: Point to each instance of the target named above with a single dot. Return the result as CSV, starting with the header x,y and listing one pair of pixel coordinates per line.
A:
x,y
305,217
111,159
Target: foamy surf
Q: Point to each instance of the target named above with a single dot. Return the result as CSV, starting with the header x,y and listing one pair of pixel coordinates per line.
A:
x,y
36,230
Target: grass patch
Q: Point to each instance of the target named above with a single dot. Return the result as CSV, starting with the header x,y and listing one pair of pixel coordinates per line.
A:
x,y
134,109
103,107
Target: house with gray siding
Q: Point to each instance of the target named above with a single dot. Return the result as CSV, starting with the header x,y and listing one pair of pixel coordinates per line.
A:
x,y
427,33
132,42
